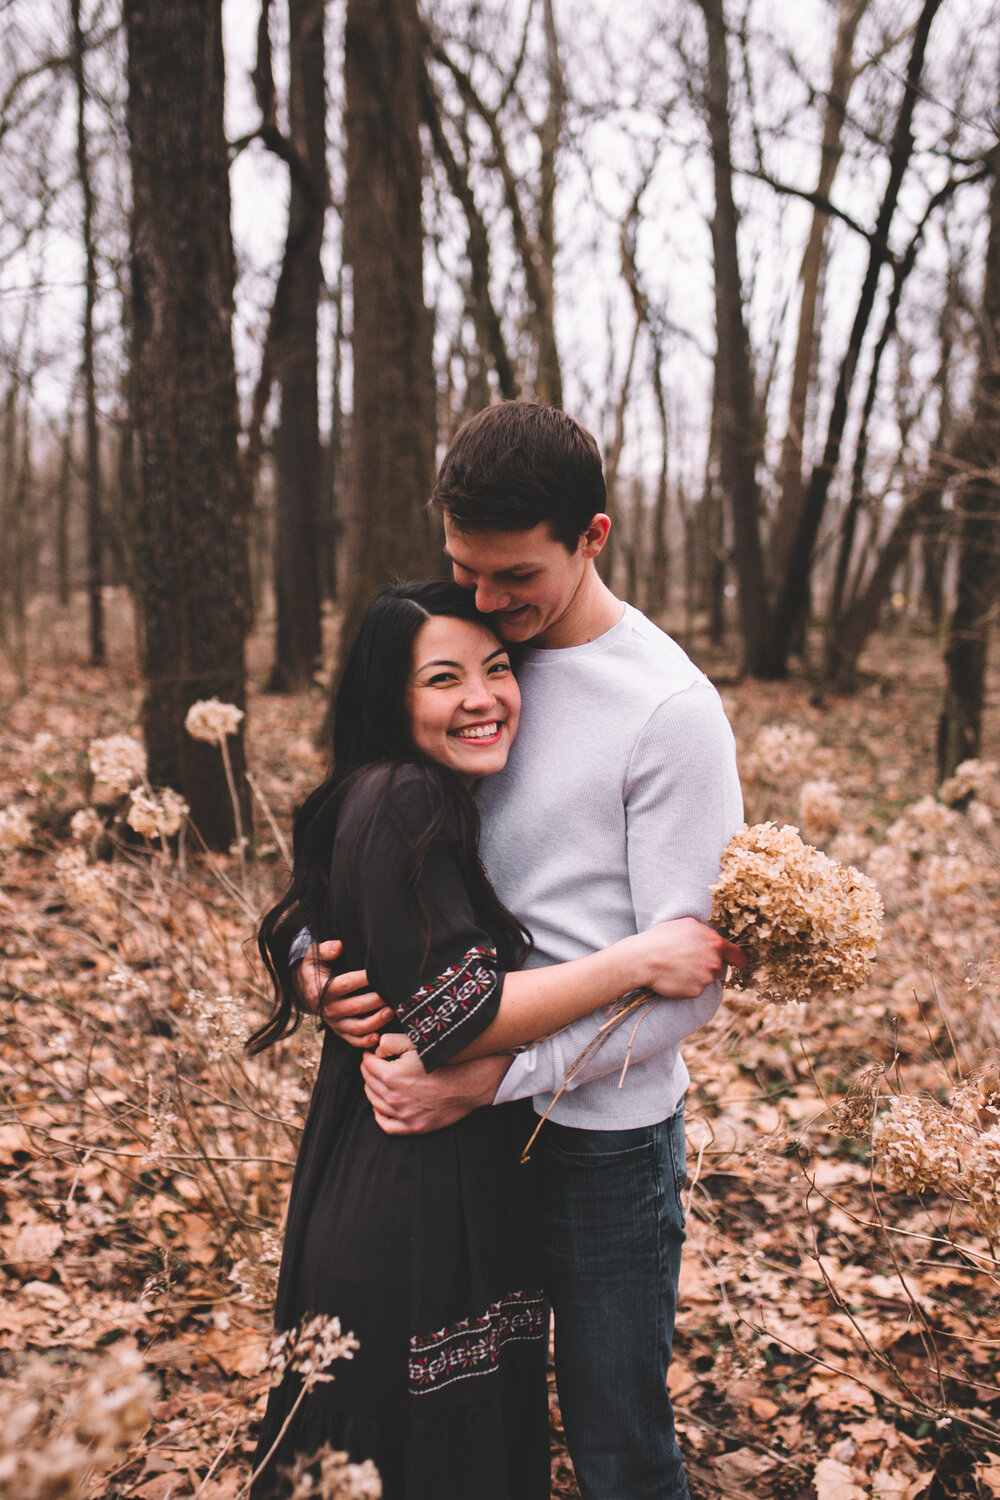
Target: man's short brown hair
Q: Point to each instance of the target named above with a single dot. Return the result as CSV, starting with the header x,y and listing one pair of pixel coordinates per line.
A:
x,y
516,465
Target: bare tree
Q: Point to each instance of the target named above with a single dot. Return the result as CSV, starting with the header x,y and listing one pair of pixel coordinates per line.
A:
x,y
92,458
194,584
960,727
391,461
291,353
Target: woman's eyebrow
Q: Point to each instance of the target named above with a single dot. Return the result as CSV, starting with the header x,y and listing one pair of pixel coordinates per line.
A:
x,y
500,651
439,662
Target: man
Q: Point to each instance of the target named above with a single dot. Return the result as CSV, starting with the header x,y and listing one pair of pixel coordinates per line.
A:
x,y
619,796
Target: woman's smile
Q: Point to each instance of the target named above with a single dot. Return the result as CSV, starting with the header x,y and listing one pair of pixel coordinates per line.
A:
x,y
463,699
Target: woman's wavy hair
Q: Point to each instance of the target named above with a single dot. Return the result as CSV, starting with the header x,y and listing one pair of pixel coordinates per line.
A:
x,y
371,728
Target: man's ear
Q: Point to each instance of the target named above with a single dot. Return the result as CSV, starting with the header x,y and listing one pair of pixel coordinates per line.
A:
x,y
596,534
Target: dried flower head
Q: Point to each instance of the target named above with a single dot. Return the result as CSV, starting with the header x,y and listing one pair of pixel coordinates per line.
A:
x,y
329,1475
982,1183
820,809
973,778
257,1279
807,924
309,1349
86,825
853,1116
778,750
84,884
15,827
52,1441
918,1145
219,1020
212,721
117,763
156,814
947,875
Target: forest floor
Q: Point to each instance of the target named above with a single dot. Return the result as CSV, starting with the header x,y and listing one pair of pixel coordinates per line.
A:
x,y
837,1337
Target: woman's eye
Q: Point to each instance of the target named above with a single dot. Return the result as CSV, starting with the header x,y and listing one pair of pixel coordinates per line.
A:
x,y
440,679
500,668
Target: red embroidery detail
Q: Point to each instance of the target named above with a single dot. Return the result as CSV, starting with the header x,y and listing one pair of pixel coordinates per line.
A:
x,y
451,998
472,1347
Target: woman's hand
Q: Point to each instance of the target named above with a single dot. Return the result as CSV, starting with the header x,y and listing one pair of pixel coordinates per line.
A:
x,y
343,1001
681,958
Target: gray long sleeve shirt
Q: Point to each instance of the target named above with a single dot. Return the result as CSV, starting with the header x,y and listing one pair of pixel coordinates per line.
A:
x,y
618,799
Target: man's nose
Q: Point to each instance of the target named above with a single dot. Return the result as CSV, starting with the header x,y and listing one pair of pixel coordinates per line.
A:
x,y
489,598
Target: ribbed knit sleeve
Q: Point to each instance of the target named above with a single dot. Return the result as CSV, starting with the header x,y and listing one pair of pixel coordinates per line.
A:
x,y
682,803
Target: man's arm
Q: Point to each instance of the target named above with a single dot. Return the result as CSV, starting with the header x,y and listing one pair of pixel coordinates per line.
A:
x,y
409,1101
683,804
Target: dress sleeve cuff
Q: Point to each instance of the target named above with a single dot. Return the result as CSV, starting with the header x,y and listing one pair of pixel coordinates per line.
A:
x,y
450,1011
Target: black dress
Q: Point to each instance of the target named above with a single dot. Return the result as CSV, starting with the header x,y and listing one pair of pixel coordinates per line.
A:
x,y
426,1247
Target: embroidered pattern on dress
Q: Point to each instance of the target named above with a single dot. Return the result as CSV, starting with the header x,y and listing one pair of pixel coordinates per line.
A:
x,y
451,998
472,1347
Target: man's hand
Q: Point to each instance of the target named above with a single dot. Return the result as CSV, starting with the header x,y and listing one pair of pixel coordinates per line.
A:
x,y
356,1018
408,1101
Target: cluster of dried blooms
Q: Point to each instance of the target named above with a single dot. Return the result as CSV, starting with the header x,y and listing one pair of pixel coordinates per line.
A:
x,y
257,1277
82,883
922,1146
220,1020
309,1349
978,779
329,1475
918,1145
15,827
52,1443
778,750
156,815
821,809
807,925
117,763
212,720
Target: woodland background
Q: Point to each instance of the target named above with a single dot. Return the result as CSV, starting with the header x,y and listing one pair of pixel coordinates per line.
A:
x,y
255,268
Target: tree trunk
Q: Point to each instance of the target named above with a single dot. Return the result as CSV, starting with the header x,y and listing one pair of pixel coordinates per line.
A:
x,y
960,725
842,76
392,438
91,468
193,560
297,452
794,586
737,430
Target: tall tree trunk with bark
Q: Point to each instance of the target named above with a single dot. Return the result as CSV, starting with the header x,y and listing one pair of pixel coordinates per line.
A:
x,y
92,459
392,434
960,727
793,590
737,425
842,76
193,561
297,453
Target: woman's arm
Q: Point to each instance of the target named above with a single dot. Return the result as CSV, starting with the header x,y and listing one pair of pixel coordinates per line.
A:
x,y
678,960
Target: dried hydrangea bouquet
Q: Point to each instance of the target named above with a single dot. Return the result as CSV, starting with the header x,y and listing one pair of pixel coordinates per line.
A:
x,y
808,925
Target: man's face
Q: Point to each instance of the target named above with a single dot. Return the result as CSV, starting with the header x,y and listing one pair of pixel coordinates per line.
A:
x,y
524,580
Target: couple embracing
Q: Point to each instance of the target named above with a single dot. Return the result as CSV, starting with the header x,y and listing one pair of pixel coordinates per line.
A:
x,y
531,789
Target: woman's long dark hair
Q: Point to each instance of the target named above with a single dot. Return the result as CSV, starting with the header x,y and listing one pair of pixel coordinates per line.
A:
x,y
372,727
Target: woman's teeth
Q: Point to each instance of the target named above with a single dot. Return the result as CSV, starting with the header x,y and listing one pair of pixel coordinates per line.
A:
x,y
477,732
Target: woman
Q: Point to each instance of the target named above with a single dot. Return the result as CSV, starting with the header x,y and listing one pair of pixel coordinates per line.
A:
x,y
424,1246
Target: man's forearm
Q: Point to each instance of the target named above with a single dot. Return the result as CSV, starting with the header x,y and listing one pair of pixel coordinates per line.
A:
x,y
661,1027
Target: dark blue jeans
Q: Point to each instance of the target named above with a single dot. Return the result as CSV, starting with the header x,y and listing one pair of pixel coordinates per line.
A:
x,y
614,1227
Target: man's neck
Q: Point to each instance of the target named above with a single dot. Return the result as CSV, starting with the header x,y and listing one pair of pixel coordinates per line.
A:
x,y
592,611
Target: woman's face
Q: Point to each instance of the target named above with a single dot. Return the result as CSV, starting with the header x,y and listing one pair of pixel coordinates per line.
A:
x,y
462,697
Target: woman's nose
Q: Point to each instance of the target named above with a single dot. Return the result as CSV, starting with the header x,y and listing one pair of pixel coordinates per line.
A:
x,y
478,694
